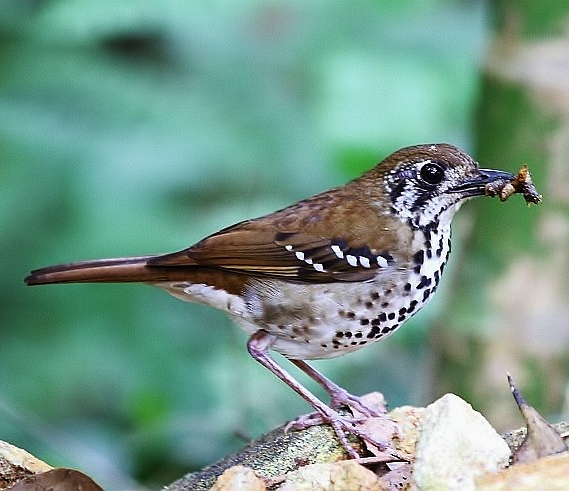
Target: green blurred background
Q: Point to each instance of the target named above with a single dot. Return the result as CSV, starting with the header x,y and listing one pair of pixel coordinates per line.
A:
x,y
138,127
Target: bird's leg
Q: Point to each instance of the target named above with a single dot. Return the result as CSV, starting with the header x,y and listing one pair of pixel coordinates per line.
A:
x,y
338,395
258,347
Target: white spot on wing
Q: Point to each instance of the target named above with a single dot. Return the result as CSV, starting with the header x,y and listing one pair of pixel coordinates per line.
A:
x,y
381,261
336,250
352,260
288,247
300,255
318,267
364,261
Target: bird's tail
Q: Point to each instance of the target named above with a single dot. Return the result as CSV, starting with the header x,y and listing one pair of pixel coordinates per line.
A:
x,y
118,270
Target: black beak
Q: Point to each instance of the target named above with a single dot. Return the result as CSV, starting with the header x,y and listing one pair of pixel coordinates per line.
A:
x,y
476,186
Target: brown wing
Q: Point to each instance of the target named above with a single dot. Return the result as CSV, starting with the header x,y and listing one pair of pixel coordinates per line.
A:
x,y
295,256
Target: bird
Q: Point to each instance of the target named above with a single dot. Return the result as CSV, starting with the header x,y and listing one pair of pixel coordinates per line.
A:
x,y
325,276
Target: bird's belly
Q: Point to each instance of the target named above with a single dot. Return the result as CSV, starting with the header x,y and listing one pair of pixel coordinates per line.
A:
x,y
312,321
324,321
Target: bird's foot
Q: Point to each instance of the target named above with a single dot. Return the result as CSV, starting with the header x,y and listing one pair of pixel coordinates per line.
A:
x,y
370,406
369,424
362,408
356,423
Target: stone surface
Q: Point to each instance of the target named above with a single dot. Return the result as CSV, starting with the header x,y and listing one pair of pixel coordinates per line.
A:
x,y
409,421
239,478
16,464
456,445
20,458
549,473
339,476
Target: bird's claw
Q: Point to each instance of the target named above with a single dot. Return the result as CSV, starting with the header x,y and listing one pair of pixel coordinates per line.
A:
x,y
344,426
355,404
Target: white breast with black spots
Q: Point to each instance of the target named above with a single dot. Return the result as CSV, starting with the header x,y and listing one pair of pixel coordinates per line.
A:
x,y
327,320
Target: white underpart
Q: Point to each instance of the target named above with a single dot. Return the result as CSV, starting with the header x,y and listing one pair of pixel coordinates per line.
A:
x,y
430,266
207,295
433,264
439,211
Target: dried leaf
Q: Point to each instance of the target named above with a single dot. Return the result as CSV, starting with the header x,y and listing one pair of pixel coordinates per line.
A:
x,y
57,480
541,439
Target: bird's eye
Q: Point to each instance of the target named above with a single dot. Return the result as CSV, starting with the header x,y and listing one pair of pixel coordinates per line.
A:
x,y
432,173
